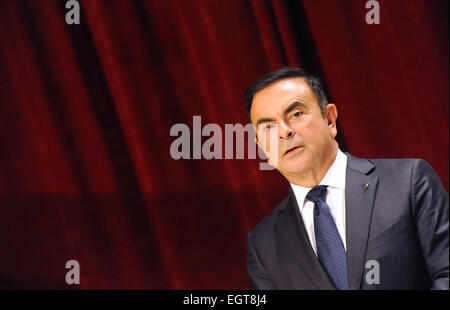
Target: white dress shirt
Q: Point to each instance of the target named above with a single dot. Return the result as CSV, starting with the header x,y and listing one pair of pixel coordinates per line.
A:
x,y
335,180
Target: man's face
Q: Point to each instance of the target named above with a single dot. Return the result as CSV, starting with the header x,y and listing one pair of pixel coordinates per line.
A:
x,y
288,111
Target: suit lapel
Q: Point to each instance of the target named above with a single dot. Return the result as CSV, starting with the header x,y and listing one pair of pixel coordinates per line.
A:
x,y
292,235
360,191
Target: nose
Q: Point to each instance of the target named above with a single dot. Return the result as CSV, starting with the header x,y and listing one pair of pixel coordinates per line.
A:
x,y
285,131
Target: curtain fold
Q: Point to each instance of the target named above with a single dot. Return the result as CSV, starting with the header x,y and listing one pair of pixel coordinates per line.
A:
x,y
86,112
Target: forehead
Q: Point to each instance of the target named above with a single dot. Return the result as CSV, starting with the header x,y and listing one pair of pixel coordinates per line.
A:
x,y
276,96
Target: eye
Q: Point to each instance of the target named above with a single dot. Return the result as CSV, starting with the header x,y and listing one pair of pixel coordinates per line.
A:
x,y
296,114
268,127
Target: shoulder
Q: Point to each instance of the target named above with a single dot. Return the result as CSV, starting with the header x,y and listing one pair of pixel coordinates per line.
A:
x,y
387,166
396,163
264,229
415,174
413,169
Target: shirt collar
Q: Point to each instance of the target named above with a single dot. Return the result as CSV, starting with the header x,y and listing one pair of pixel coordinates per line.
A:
x,y
335,177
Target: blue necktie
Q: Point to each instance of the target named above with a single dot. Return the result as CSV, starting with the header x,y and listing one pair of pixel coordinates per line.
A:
x,y
330,249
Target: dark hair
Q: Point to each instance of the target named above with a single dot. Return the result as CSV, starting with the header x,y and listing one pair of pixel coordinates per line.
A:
x,y
284,73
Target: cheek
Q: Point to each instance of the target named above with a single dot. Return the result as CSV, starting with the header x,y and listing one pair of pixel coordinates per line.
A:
x,y
314,132
267,143
306,132
313,137
270,142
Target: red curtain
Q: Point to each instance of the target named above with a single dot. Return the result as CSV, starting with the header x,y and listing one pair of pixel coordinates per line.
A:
x,y
86,112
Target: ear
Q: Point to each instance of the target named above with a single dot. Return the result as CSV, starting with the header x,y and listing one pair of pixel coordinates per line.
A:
x,y
331,115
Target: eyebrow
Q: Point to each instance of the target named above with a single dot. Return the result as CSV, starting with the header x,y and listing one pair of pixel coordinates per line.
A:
x,y
291,107
264,120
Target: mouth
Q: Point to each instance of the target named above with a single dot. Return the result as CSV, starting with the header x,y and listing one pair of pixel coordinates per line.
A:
x,y
293,150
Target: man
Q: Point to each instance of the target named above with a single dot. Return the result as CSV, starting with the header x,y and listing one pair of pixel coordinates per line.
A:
x,y
348,222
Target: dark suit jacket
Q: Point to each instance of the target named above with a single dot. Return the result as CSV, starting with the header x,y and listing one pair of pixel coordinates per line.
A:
x,y
400,220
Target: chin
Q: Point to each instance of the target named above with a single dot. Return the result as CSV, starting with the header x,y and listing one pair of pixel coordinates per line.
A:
x,y
296,165
293,168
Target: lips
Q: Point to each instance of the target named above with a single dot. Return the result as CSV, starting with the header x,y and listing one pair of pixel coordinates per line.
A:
x,y
292,150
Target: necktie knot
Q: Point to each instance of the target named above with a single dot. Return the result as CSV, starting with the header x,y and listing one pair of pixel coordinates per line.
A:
x,y
317,194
